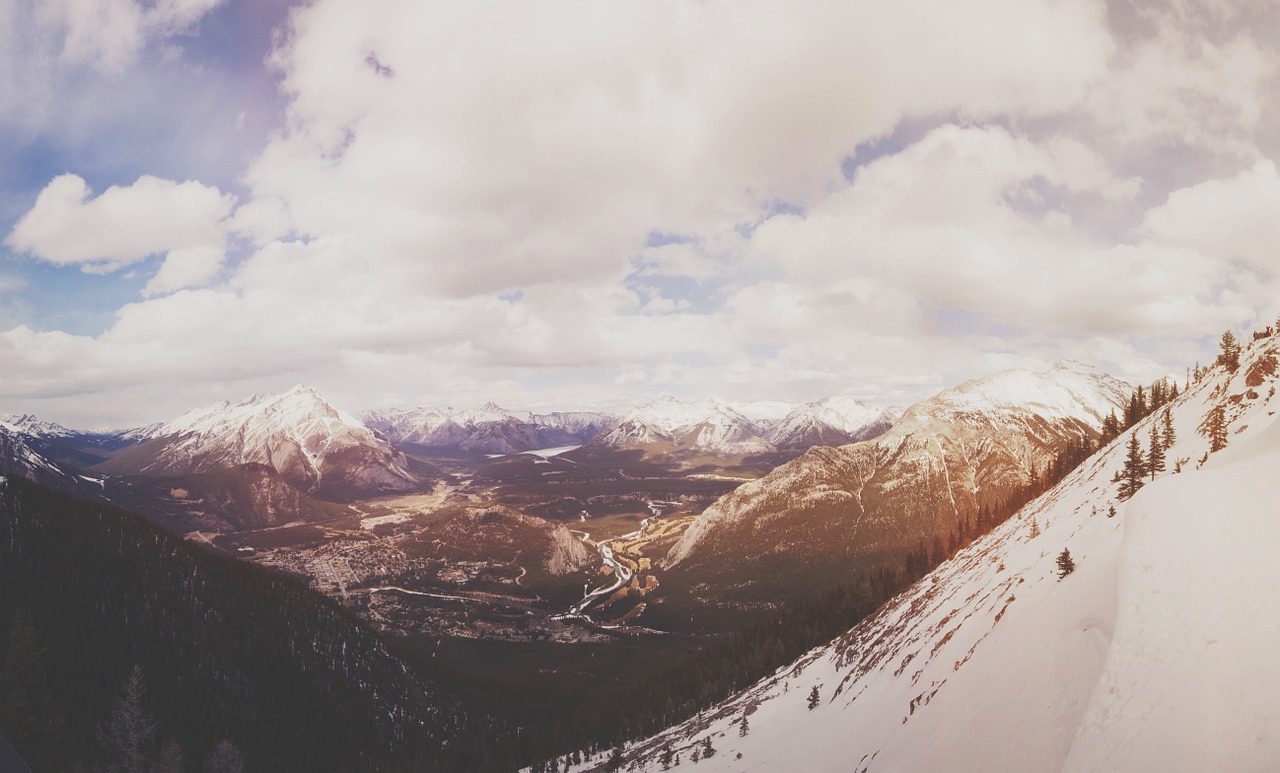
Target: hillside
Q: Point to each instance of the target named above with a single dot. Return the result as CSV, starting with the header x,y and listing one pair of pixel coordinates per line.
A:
x,y
945,470
228,650
1153,654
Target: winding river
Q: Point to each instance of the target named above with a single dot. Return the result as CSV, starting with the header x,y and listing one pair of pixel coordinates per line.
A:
x,y
621,572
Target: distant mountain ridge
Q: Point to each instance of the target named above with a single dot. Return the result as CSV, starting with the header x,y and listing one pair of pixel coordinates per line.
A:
x,y
312,445
487,429
831,421
670,426
31,425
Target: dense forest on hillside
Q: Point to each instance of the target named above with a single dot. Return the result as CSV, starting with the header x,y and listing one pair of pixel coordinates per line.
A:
x,y
227,650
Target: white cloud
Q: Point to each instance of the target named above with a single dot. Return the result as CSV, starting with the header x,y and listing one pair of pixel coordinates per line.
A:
x,y
122,225
436,157
1236,218
1180,85
108,34
186,267
959,221
544,143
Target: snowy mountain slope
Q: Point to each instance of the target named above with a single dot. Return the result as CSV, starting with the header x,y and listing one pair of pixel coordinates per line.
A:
x,y
19,457
949,459
832,421
1155,653
668,425
488,429
311,444
34,426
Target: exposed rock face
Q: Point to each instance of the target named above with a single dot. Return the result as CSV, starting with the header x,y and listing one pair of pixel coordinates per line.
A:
x,y
568,553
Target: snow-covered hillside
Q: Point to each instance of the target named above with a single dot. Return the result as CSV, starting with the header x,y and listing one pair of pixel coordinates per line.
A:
x,y
1156,653
18,458
310,443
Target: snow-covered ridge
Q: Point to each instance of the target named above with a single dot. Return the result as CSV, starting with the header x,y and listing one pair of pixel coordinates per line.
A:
x,y
489,428
1068,390
977,437
17,457
299,434
29,424
670,424
832,420
1155,653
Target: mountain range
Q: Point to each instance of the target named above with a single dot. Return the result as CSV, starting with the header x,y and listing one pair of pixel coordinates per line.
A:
x,y
668,426
487,429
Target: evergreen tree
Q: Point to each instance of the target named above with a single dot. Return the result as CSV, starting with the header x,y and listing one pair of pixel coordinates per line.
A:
x,y
1155,452
225,758
172,760
665,759
1169,436
1214,427
615,759
708,750
1131,477
744,728
1066,565
1110,428
1137,407
813,698
1230,355
126,735
28,712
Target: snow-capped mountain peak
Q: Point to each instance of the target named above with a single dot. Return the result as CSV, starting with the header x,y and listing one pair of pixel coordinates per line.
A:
x,y
29,424
309,442
1067,390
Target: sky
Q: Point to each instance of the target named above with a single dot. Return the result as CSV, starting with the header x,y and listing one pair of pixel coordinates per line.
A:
x,y
563,205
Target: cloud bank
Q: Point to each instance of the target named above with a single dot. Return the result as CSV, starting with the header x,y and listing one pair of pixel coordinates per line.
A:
x,y
573,204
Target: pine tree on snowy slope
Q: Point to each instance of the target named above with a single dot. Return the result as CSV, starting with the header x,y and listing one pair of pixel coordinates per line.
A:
x,y
1214,427
1134,468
